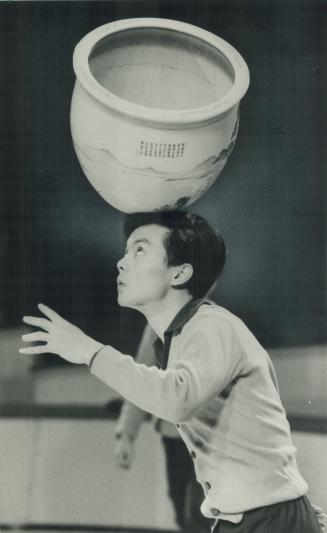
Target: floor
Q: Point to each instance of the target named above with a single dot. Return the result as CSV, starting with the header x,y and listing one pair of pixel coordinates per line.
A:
x,y
13,529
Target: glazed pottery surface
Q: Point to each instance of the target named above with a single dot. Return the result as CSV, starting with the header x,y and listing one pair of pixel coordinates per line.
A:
x,y
155,111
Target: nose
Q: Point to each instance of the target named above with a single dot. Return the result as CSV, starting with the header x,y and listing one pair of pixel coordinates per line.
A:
x,y
121,265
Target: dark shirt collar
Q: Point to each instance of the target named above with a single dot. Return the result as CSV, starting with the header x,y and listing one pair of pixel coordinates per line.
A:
x,y
182,317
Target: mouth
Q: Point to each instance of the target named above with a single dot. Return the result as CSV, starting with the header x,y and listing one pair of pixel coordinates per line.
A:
x,y
120,283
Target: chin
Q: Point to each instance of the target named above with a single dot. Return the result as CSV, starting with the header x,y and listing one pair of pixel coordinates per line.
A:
x,y
124,301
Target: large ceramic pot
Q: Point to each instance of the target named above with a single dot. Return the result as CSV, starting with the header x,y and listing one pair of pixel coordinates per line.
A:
x,y
155,111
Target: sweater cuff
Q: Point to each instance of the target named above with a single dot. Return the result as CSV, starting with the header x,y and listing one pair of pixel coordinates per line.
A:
x,y
94,356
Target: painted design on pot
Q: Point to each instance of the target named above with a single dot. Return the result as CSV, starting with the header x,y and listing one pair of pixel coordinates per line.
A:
x,y
105,166
89,157
144,142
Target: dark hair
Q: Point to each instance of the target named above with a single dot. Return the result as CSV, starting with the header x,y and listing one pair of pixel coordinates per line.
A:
x,y
190,240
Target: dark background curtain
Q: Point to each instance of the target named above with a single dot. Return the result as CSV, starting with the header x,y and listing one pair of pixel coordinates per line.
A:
x,y
59,241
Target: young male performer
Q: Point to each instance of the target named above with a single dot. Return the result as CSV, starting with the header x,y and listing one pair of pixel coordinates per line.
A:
x,y
214,381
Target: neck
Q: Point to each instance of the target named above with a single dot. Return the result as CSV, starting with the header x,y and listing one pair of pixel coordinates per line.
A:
x,y
160,314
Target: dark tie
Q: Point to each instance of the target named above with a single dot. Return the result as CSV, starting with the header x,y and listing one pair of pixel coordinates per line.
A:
x,y
161,350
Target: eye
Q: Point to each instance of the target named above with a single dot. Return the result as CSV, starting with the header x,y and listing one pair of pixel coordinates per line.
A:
x,y
139,250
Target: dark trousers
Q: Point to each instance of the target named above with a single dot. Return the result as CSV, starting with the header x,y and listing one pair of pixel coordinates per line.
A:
x,y
294,516
185,492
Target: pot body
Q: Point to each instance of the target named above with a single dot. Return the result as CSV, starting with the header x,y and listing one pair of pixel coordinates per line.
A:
x,y
141,158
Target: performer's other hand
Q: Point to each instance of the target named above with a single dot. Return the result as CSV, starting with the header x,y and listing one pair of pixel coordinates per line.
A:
x,y
124,452
60,337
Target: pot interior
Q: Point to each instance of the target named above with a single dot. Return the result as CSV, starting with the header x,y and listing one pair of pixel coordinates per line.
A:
x,y
161,68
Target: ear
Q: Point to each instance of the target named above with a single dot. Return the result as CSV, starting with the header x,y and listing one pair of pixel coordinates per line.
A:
x,y
182,274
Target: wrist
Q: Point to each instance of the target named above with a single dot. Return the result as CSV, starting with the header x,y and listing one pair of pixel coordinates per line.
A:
x,y
120,435
94,352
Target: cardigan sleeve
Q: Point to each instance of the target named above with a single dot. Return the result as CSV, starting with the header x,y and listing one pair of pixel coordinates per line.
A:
x,y
208,360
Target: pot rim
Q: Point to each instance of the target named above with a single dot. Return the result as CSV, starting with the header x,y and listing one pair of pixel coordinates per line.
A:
x,y
204,114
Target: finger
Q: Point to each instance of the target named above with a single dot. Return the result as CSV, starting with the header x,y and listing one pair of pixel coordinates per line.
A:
x,y
37,321
50,313
34,350
36,336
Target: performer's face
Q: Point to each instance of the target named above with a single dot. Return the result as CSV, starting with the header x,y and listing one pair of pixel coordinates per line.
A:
x,y
144,276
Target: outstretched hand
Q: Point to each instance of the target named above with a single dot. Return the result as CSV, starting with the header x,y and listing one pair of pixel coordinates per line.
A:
x,y
60,337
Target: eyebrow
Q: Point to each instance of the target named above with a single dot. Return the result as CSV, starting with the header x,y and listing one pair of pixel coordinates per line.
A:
x,y
138,241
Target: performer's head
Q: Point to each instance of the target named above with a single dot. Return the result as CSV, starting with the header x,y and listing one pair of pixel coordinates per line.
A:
x,y
168,252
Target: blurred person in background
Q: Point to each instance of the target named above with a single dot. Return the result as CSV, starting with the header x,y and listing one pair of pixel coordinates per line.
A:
x,y
184,491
